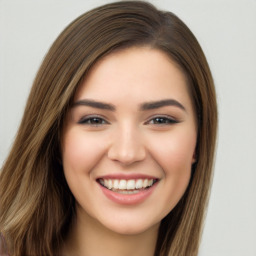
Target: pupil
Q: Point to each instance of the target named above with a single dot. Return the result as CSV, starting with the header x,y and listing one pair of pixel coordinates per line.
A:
x,y
160,120
96,120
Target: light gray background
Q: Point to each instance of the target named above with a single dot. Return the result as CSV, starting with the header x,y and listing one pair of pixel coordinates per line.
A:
x,y
227,32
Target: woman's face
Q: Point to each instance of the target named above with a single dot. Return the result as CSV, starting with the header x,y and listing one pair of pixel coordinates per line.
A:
x,y
129,140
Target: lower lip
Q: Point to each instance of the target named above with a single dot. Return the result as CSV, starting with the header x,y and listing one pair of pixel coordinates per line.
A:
x,y
128,199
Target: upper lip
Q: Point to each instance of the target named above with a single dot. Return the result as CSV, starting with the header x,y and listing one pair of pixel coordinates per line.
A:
x,y
126,176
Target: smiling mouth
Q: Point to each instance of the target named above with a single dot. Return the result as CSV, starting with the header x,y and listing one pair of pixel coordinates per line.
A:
x,y
131,186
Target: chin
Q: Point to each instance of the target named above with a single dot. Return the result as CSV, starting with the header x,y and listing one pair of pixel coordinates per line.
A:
x,y
133,228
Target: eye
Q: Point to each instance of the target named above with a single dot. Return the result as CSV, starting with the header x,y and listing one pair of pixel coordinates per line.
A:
x,y
93,121
162,120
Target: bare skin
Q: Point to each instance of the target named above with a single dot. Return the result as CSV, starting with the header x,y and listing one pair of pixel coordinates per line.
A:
x,y
90,238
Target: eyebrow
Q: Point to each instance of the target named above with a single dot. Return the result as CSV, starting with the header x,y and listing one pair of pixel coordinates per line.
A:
x,y
94,104
161,103
143,107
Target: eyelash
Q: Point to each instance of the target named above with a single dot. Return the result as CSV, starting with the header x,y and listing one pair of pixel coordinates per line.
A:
x,y
162,120
99,121
93,121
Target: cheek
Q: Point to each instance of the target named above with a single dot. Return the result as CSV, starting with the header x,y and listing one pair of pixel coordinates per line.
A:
x,y
177,170
175,154
80,153
175,157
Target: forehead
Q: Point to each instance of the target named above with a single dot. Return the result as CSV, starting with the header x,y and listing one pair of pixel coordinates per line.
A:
x,y
133,73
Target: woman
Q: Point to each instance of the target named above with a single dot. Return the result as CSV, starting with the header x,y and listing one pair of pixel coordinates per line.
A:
x,y
115,149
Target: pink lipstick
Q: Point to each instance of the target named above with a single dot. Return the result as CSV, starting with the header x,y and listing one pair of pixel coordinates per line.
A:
x,y
127,189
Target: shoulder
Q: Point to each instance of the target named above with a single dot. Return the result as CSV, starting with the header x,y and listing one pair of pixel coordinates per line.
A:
x,y
3,249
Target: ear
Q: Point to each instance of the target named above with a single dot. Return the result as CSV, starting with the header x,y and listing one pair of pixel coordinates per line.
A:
x,y
194,157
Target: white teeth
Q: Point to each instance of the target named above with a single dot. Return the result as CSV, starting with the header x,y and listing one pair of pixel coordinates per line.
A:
x,y
139,184
110,184
130,185
128,191
145,183
122,184
116,184
106,183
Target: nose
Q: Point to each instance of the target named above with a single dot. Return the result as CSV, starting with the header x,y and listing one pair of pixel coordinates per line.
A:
x,y
127,146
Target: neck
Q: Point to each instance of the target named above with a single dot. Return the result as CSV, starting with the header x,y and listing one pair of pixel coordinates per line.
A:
x,y
90,238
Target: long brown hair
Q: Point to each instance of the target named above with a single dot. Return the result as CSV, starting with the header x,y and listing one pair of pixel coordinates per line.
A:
x,y
36,204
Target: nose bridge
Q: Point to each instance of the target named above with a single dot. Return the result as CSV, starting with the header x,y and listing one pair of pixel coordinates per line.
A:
x,y
127,144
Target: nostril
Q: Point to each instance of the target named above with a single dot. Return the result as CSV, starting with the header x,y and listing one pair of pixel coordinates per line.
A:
x,y
127,144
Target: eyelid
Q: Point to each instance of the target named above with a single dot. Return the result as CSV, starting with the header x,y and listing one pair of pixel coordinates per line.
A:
x,y
90,117
167,117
